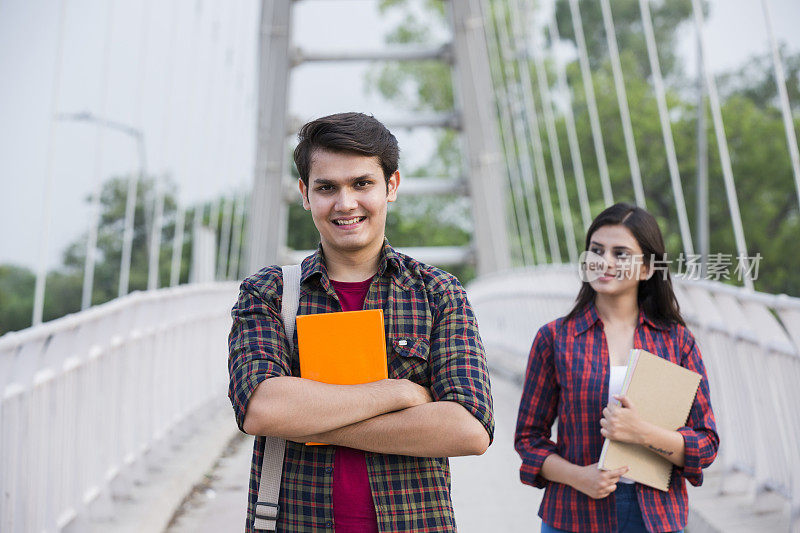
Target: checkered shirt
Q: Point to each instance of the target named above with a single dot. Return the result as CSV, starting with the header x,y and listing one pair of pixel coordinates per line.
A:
x,y
567,376
431,339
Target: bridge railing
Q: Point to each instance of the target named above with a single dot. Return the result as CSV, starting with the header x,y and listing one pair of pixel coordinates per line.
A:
x,y
86,398
749,343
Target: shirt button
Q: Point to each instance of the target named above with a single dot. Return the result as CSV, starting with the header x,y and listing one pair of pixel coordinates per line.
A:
x,y
328,469
329,524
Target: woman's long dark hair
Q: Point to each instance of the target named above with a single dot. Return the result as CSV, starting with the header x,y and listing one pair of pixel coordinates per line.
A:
x,y
655,295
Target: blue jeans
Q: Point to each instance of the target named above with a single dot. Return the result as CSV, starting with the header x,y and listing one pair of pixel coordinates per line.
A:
x,y
629,516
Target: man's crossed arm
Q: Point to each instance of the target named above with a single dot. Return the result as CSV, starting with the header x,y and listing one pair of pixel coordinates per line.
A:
x,y
393,416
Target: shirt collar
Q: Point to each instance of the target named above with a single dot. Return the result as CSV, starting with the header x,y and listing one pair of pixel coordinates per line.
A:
x,y
643,317
588,317
314,264
390,259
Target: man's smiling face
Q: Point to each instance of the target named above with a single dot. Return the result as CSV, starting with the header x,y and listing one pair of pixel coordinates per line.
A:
x,y
347,195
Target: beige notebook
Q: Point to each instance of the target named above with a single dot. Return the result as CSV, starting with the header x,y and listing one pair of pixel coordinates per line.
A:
x,y
662,393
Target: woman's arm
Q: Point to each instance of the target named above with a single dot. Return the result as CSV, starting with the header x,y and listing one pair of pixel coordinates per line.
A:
x,y
537,410
623,423
590,480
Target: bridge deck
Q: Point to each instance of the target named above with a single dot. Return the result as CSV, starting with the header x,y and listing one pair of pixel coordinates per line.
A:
x,y
487,494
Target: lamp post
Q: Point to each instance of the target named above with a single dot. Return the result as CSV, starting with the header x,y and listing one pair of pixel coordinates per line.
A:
x,y
130,205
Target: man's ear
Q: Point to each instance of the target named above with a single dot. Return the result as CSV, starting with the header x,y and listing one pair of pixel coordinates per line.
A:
x,y
304,194
392,185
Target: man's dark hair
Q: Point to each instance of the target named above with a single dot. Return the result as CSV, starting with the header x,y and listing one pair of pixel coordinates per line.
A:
x,y
355,133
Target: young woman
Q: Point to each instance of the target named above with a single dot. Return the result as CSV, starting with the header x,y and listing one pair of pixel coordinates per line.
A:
x,y
575,370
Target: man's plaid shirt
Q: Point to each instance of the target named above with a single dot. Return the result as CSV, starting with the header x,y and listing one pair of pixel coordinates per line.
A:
x,y
431,339
567,377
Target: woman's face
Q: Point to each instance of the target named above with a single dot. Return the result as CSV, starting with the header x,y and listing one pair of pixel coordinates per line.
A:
x,y
617,259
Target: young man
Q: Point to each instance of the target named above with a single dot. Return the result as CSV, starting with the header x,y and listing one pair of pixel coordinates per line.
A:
x,y
385,466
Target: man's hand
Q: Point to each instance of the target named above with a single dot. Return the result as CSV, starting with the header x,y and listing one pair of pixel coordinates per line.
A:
x,y
622,422
595,483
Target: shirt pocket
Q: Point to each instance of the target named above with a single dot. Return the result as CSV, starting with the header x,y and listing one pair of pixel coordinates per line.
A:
x,y
408,359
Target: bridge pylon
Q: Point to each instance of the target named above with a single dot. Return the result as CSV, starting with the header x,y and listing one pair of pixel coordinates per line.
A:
x,y
483,180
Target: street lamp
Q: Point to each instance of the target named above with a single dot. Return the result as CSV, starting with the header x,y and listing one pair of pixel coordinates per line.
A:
x,y
130,205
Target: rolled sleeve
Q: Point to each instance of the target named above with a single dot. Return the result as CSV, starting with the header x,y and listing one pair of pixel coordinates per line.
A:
x,y
257,346
457,360
700,437
537,410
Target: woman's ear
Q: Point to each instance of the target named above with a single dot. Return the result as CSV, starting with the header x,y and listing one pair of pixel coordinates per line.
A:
x,y
646,271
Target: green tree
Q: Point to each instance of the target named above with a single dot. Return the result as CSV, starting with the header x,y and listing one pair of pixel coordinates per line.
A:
x,y
16,300
109,240
753,127
64,284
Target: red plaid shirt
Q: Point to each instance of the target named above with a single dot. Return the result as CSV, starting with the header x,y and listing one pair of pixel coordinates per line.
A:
x,y
431,338
567,376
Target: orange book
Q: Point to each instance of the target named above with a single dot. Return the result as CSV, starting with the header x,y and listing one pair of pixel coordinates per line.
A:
x,y
344,348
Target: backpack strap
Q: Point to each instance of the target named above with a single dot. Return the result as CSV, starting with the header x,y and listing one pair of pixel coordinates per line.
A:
x,y
269,485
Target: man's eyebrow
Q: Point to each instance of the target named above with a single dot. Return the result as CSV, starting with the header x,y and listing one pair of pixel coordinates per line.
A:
x,y
326,181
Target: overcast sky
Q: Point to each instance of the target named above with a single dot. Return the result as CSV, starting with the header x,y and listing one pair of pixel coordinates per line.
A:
x,y
191,91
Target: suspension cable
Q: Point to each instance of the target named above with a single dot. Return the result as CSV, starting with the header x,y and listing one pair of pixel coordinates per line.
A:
x,y
227,203
525,233
666,129
525,189
242,254
100,134
243,125
588,88
786,110
130,199
47,201
217,206
622,99
572,136
192,112
722,143
158,186
233,261
524,14
529,129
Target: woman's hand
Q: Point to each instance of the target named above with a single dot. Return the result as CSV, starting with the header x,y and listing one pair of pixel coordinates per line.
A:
x,y
595,483
622,422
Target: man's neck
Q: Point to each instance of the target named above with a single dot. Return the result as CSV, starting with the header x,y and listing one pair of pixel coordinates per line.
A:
x,y
356,266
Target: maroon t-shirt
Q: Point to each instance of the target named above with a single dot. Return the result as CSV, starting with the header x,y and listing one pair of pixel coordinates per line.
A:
x,y
353,510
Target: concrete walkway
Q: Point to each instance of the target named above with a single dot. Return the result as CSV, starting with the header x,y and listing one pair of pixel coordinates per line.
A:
x,y
200,484
487,494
